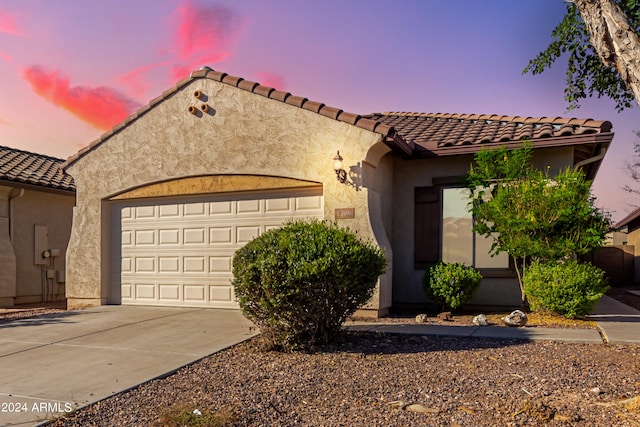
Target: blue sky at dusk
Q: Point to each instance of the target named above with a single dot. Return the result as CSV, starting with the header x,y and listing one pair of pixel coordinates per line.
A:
x,y
71,69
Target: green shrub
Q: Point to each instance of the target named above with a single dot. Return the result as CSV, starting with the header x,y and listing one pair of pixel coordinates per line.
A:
x,y
451,285
568,288
301,282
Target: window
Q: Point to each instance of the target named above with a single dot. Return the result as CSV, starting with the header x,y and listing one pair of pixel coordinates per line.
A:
x,y
444,230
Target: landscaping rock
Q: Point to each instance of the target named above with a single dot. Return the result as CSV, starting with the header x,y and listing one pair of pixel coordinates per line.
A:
x,y
445,315
422,318
515,319
480,320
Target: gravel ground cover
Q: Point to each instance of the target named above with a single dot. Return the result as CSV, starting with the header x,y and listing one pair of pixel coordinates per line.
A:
x,y
390,380
393,380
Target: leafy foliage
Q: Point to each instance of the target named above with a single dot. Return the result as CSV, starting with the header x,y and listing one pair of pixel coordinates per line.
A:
x,y
586,74
300,283
567,288
531,215
451,285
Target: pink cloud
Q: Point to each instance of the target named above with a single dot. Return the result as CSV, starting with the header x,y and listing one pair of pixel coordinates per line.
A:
x,y
204,36
101,107
135,80
204,29
9,24
271,79
6,57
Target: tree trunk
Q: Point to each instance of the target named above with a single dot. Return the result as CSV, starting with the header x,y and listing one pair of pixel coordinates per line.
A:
x,y
613,38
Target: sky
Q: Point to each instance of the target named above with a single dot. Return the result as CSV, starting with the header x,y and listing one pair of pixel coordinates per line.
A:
x,y
72,69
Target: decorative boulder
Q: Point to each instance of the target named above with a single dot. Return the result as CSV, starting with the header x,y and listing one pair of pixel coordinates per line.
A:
x,y
480,320
422,318
445,315
516,319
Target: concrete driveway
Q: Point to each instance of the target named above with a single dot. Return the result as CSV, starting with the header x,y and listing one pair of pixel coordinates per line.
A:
x,y
59,362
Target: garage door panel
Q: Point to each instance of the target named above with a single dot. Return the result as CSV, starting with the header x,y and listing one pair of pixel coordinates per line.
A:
x,y
181,253
145,212
145,265
145,237
126,291
221,293
169,292
248,207
194,209
169,236
126,265
169,211
194,293
126,238
308,203
194,236
144,291
168,264
220,264
278,205
220,235
247,233
221,208
194,264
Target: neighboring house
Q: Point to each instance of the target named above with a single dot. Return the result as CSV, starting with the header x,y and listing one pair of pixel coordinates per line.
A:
x,y
165,198
36,205
629,227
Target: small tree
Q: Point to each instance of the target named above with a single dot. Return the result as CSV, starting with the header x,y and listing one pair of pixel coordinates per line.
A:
x,y
531,215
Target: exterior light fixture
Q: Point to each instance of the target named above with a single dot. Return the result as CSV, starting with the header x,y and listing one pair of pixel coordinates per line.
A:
x,y
341,174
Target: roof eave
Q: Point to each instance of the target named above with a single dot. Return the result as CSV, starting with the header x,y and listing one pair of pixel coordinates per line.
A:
x,y
398,144
563,141
37,187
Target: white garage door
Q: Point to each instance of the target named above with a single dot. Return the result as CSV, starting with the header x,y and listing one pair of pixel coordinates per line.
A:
x,y
180,254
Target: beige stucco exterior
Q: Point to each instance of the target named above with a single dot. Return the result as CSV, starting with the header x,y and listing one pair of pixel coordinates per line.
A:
x,y
21,210
409,174
243,143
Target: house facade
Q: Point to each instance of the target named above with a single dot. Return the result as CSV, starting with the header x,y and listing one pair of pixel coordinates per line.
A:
x,y
165,198
36,204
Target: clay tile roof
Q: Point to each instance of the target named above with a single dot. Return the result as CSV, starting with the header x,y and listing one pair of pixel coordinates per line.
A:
x,y
313,106
451,130
36,169
297,101
404,130
330,112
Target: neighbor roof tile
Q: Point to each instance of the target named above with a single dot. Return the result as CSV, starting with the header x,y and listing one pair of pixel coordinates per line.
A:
x,y
36,169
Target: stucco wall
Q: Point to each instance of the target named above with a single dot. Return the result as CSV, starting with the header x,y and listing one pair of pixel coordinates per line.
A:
x,y
7,254
21,280
246,134
47,209
409,174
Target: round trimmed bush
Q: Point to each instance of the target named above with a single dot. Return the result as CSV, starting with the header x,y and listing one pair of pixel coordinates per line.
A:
x,y
452,284
299,283
568,288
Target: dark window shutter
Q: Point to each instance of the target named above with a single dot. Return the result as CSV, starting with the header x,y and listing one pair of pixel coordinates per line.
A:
x,y
427,226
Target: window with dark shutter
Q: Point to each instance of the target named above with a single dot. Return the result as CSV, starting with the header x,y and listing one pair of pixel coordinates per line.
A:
x,y
427,226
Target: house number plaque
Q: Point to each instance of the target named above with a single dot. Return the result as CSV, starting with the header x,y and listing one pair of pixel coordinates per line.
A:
x,y
345,213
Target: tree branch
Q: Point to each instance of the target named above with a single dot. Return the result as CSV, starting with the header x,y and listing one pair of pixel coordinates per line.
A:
x,y
613,38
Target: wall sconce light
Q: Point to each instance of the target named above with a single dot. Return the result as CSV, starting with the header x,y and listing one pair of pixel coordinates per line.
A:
x,y
341,174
